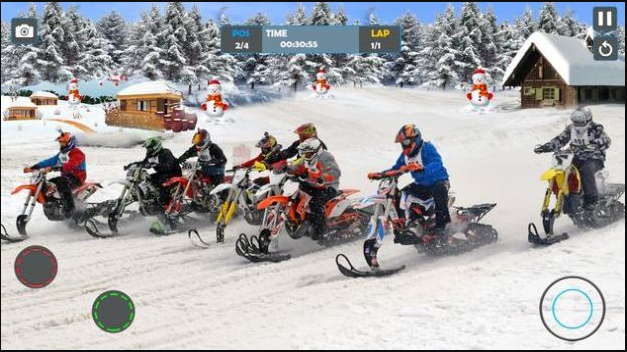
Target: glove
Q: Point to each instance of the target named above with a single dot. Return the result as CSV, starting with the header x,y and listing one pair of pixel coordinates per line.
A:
x,y
375,176
28,170
315,176
259,166
412,167
543,148
280,166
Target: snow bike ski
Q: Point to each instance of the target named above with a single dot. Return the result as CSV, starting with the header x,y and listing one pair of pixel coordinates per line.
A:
x,y
4,235
564,182
40,190
350,271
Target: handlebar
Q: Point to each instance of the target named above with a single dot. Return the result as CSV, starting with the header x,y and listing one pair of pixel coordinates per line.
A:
x,y
412,167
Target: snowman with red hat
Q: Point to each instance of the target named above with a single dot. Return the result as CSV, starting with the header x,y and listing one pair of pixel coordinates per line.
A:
x,y
479,96
73,97
320,86
214,106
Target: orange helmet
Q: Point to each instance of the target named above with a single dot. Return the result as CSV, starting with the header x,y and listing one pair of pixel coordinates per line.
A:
x,y
408,136
64,138
66,141
306,131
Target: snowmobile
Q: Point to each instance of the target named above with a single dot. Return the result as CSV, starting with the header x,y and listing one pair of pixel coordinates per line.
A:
x,y
564,182
290,211
40,190
137,188
417,226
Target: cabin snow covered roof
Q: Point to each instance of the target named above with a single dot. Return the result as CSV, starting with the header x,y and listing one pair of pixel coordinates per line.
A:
x,y
571,59
149,88
21,102
44,94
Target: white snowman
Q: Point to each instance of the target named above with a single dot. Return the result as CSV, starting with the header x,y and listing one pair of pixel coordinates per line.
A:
x,y
73,97
479,96
214,106
320,86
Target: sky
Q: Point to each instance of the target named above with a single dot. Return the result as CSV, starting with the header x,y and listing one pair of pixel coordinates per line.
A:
x,y
238,12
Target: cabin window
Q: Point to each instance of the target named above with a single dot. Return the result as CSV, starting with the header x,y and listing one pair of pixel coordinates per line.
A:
x,y
548,93
528,91
540,71
142,105
123,105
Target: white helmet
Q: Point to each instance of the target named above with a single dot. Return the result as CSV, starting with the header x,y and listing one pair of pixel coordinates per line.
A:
x,y
310,148
581,117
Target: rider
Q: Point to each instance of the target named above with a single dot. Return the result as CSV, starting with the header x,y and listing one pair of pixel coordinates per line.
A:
x,y
304,132
270,154
210,156
589,142
164,163
320,178
71,162
430,180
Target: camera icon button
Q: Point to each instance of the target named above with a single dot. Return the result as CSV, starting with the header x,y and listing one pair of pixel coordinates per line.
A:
x,y
24,31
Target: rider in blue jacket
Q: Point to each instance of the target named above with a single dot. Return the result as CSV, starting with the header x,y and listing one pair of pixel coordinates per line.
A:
x,y
431,181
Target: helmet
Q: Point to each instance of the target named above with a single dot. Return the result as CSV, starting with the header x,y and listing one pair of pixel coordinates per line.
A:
x,y
310,148
305,131
581,117
66,141
201,139
153,146
408,136
266,143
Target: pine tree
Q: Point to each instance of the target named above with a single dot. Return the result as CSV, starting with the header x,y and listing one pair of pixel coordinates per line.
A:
x,y
94,59
299,18
195,55
439,57
115,30
144,54
404,68
491,45
341,19
568,25
254,67
548,18
321,14
173,60
468,40
50,63
72,45
526,25
296,72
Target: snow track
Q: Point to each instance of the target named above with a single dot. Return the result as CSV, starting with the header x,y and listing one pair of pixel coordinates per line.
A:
x,y
210,298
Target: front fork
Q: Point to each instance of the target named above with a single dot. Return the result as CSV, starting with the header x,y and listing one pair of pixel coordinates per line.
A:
x,y
29,206
377,230
228,208
549,215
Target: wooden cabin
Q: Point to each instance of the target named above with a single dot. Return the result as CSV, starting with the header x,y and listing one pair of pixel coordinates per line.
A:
x,y
144,106
560,71
42,98
21,109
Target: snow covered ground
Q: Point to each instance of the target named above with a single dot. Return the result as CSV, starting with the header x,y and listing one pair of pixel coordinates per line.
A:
x,y
192,298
